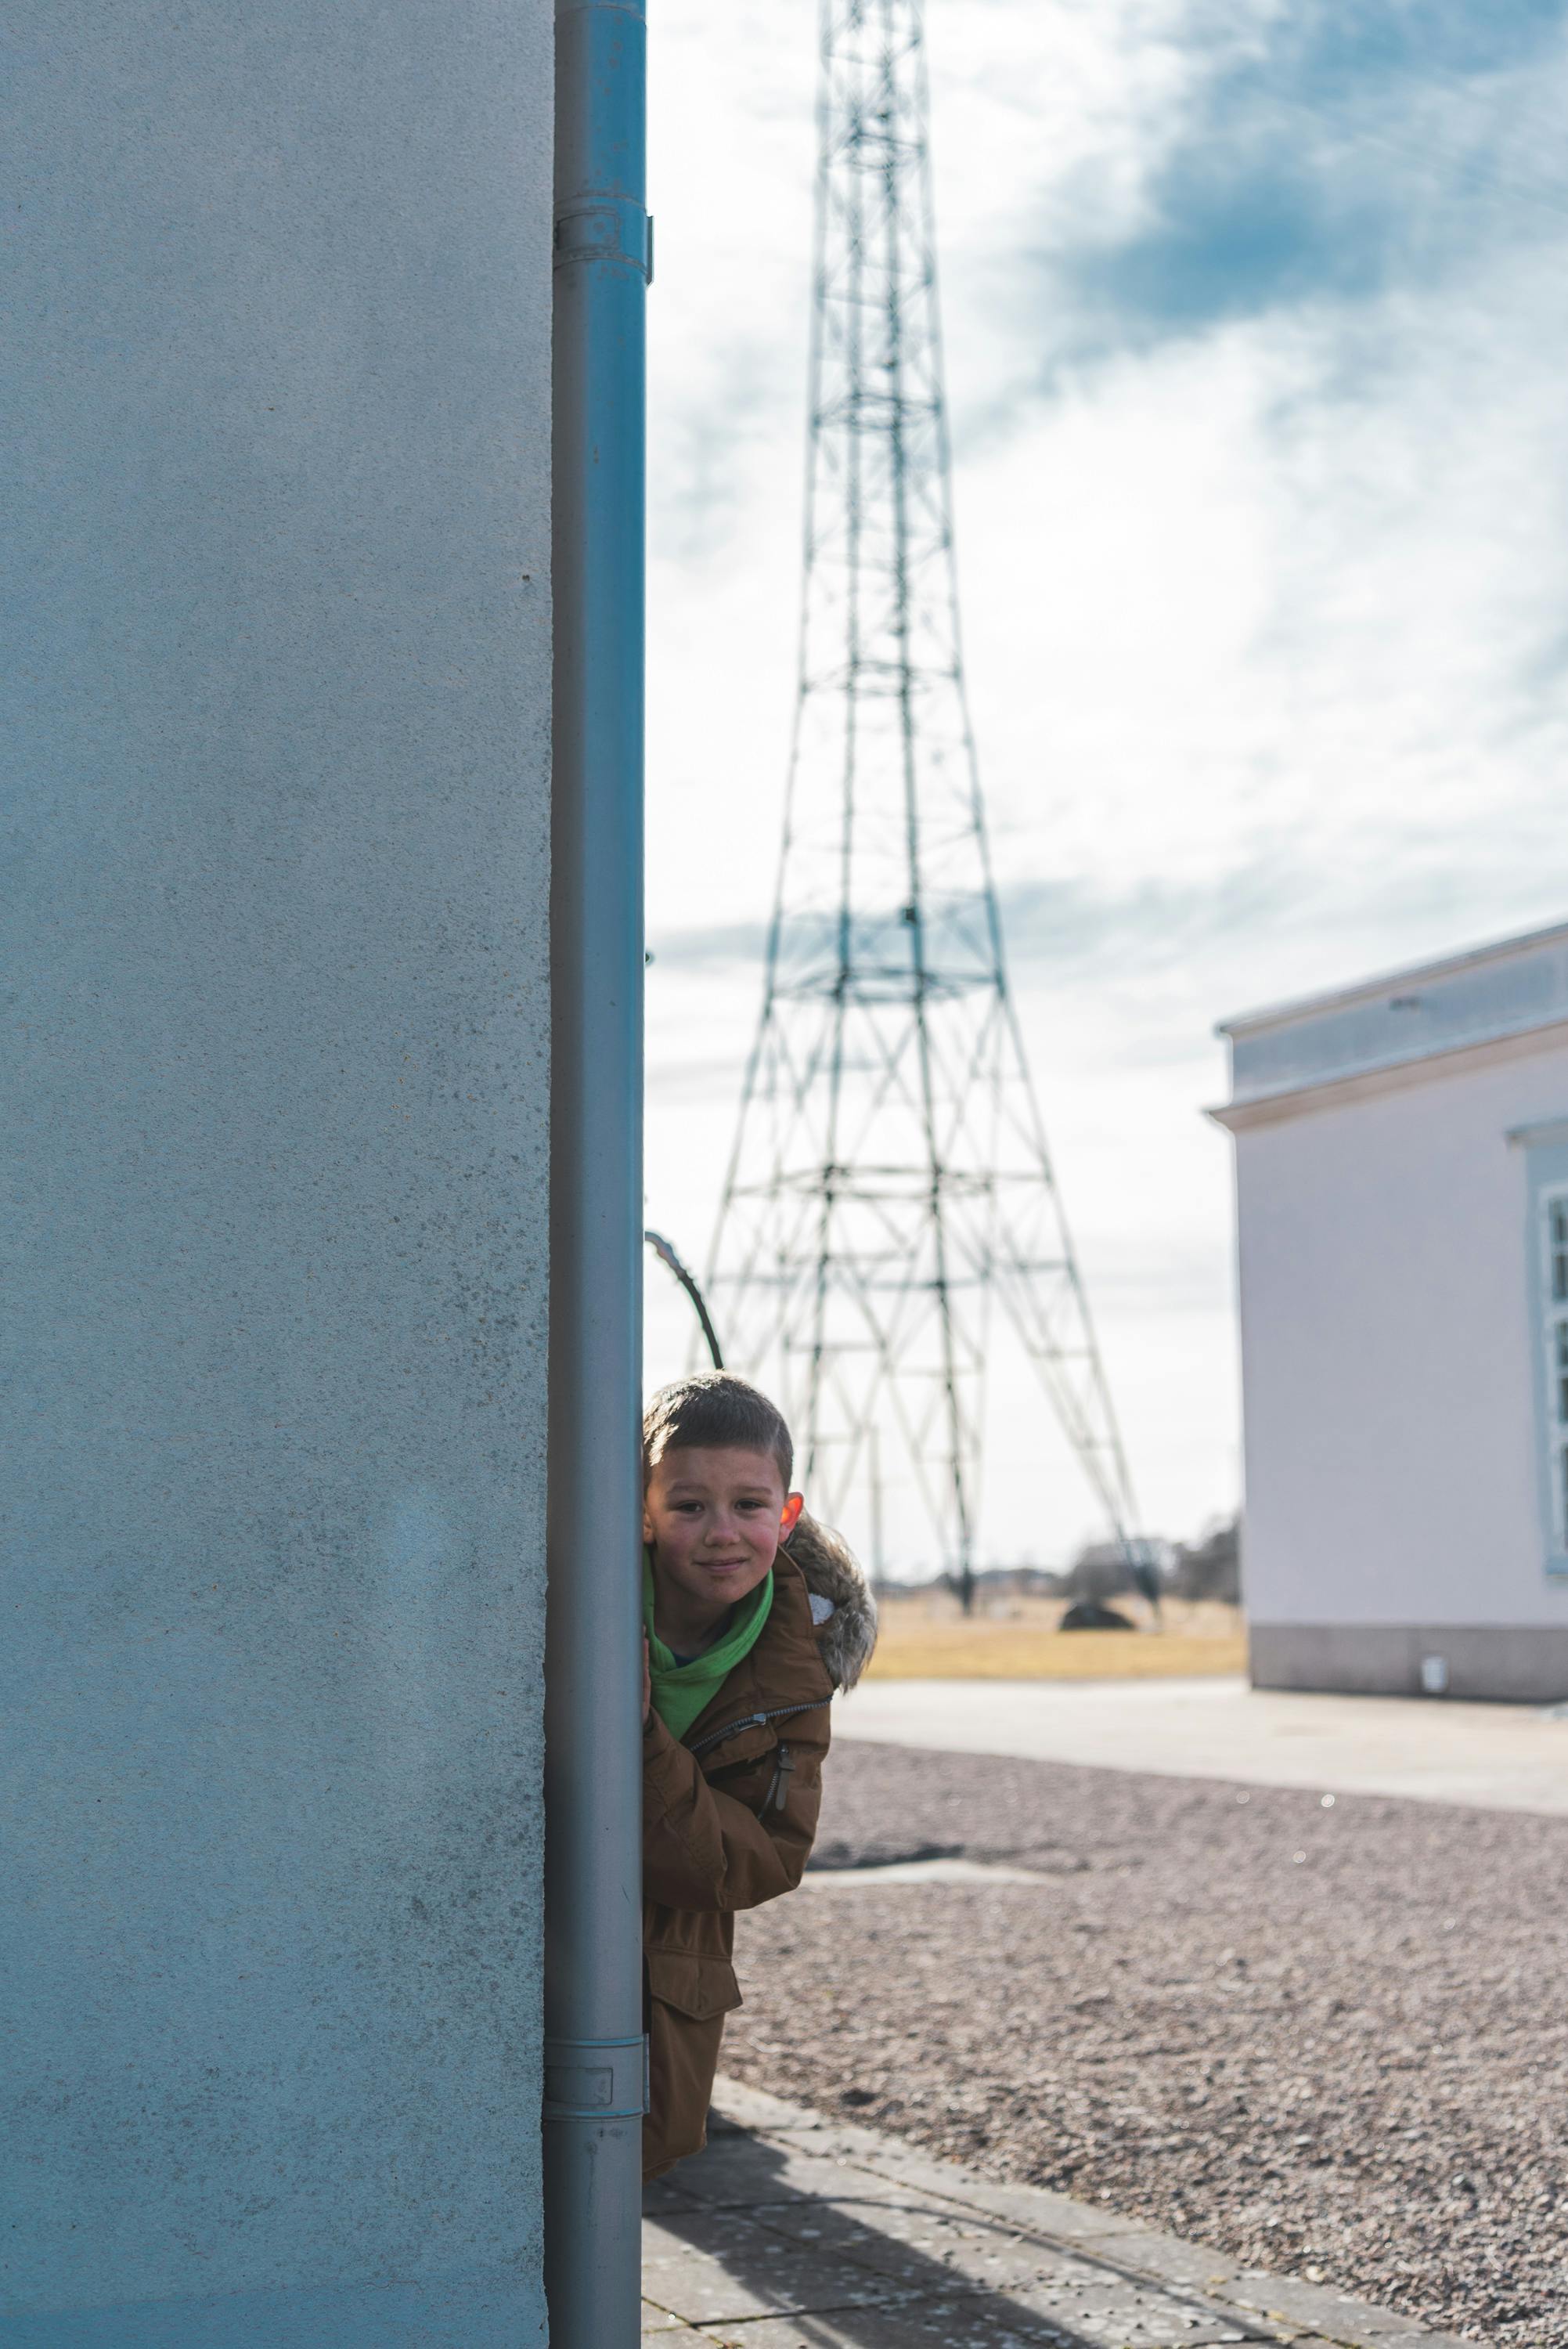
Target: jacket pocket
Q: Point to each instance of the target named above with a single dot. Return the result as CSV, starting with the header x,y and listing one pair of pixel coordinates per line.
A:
x,y
694,1985
747,1744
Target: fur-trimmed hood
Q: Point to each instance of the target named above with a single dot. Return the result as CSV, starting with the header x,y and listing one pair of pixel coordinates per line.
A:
x,y
842,1606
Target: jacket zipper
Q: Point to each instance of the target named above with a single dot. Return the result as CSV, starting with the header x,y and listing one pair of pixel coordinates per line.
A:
x,y
752,1721
773,1800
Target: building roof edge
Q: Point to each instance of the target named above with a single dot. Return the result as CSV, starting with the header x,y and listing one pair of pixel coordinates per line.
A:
x,y
1248,1023
1329,1091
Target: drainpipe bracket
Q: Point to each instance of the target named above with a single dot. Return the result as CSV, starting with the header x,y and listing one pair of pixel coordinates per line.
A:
x,y
595,2079
614,229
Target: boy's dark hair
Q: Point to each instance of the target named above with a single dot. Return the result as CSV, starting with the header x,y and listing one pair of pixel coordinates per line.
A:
x,y
715,1408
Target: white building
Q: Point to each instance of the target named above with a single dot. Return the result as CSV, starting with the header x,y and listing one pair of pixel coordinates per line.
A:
x,y
1402,1187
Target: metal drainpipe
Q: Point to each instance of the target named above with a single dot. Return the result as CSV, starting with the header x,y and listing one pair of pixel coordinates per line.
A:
x,y
593,2056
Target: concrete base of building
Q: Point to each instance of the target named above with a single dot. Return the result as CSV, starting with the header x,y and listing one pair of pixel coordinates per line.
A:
x,y
1526,1665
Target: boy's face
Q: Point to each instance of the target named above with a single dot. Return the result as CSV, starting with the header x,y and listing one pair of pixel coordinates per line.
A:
x,y
714,1519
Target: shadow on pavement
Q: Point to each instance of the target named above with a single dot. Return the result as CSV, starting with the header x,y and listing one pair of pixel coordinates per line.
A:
x,y
758,2244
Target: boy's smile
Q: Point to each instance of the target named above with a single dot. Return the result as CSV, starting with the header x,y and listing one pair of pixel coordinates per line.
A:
x,y
713,1518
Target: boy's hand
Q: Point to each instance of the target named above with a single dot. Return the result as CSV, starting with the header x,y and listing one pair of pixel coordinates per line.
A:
x,y
647,1684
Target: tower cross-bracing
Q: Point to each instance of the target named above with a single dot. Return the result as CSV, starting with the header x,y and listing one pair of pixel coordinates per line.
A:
x,y
890,1181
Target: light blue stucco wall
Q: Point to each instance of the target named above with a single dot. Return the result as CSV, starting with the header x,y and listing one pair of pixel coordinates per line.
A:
x,y
275,791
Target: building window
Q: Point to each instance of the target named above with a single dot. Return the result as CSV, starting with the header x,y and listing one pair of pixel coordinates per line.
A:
x,y
1554,1212
1557,1246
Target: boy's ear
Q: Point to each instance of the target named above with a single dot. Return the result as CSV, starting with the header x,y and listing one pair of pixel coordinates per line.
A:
x,y
789,1515
647,1525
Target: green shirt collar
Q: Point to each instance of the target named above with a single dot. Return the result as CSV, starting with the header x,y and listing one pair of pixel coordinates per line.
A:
x,y
681,1692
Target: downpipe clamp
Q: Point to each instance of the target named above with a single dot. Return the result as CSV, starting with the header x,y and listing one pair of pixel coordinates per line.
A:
x,y
614,228
595,2079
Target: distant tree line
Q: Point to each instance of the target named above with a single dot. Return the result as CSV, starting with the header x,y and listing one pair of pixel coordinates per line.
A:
x,y
1209,1567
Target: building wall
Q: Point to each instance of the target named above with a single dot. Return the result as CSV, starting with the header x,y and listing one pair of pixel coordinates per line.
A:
x,y
1391,1359
277,788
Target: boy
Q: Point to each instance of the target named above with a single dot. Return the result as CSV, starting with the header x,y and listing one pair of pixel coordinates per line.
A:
x,y
753,1614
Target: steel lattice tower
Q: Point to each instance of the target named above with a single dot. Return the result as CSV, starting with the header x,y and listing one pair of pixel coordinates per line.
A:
x,y
890,1177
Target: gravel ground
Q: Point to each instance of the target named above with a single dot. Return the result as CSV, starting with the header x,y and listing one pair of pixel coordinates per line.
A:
x,y
1327,2034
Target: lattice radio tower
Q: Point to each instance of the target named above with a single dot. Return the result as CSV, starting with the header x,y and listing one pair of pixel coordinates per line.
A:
x,y
890,1177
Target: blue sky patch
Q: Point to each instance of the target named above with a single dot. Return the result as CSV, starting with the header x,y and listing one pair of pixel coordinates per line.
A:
x,y
1310,171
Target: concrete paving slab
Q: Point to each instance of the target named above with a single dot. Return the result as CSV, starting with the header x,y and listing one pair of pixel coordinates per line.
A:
x,y
1036,2207
1291,2299
787,2176
1497,1756
880,2165
752,2168
958,2327
906,2241
753,2271
1167,2256
794,2232
1114,2315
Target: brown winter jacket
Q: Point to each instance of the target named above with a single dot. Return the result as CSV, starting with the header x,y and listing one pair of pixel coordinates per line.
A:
x,y
730,1812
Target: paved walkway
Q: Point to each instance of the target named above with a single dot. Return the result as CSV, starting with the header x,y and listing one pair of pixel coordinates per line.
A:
x,y
796,2232
1499,1756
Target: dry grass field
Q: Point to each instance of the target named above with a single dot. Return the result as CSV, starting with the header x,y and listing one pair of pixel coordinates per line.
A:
x,y
924,1636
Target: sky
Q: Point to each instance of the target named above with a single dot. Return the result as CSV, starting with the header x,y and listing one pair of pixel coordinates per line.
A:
x,y
1257,342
